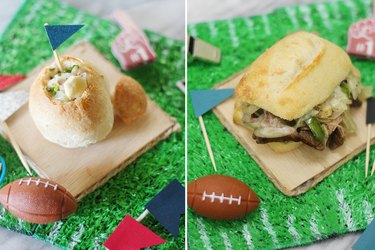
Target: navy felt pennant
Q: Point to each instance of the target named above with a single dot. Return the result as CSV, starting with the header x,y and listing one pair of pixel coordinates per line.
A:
x,y
57,34
205,100
370,114
168,205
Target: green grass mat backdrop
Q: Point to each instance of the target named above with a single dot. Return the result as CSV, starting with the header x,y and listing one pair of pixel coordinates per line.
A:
x,y
23,46
342,203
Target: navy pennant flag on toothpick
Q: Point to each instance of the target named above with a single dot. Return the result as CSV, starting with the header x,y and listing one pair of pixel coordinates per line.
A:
x,y
57,34
168,205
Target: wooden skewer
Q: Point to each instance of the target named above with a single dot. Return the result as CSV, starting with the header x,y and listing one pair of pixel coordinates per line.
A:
x,y
373,168
368,148
208,145
57,60
16,148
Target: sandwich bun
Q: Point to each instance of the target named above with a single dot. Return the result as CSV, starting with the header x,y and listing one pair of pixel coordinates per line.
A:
x,y
282,147
297,73
85,117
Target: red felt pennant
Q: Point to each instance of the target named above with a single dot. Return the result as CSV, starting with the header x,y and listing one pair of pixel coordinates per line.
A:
x,y
132,235
361,39
8,80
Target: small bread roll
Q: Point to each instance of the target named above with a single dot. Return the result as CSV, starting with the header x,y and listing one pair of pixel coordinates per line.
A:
x,y
71,108
129,100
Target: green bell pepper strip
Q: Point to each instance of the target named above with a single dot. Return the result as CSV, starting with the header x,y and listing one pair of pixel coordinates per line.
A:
x,y
345,89
316,128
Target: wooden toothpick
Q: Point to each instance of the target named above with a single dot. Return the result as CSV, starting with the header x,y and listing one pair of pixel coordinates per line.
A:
x,y
208,145
57,60
16,147
368,148
143,215
56,56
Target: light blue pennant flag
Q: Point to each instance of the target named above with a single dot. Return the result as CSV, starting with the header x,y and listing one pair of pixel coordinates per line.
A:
x,y
205,100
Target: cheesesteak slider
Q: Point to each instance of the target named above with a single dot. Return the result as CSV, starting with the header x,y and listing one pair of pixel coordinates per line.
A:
x,y
300,91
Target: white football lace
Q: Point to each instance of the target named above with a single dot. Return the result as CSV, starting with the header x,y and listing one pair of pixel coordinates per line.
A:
x,y
221,198
37,182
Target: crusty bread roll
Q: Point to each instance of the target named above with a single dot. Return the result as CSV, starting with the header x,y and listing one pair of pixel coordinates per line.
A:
x,y
129,100
282,147
297,91
71,108
297,73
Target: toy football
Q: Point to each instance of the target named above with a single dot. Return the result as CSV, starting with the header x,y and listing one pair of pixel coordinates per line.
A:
x,y
221,197
37,200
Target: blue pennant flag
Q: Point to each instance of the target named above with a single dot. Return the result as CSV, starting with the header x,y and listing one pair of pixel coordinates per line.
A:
x,y
367,239
168,205
57,34
205,100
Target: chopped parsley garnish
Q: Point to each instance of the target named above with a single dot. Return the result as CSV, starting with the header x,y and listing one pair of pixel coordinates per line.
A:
x,y
53,89
52,69
69,70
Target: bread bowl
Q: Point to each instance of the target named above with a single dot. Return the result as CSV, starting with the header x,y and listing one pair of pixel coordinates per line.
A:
x,y
71,108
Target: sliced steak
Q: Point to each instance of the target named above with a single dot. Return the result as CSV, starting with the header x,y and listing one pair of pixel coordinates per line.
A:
x,y
356,103
303,135
308,138
337,138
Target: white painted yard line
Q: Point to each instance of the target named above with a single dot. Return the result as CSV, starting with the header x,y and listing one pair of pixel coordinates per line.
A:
x,y
336,10
99,240
92,29
19,224
368,211
203,232
232,33
368,7
250,24
227,243
306,15
193,30
37,6
246,234
266,23
292,230
352,7
2,211
76,238
213,29
54,231
345,209
269,227
78,19
61,11
169,42
314,228
325,16
292,16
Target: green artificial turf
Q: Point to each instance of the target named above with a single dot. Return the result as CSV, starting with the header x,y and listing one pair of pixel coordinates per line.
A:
x,y
342,203
23,46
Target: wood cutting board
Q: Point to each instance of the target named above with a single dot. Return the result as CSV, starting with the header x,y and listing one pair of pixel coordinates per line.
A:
x,y
297,171
82,170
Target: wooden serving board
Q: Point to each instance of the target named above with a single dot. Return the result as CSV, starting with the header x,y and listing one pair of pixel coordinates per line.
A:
x,y
297,171
82,170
